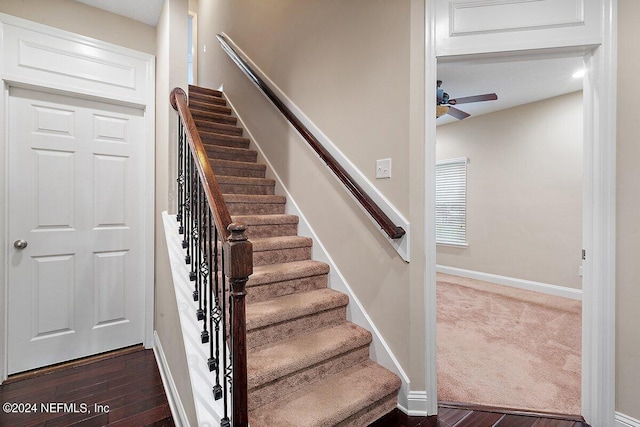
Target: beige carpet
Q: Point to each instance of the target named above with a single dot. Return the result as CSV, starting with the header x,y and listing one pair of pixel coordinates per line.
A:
x,y
506,347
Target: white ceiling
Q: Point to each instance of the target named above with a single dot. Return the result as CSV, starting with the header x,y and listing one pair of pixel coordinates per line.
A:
x,y
146,11
516,81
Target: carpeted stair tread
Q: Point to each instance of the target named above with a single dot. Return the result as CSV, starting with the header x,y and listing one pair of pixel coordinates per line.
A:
x,y
244,185
230,153
205,91
270,362
283,242
268,225
252,204
225,140
235,168
207,126
203,100
217,116
331,401
254,198
293,306
212,111
225,179
286,271
266,219
205,103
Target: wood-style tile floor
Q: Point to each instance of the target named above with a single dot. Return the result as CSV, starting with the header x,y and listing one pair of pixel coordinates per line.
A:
x,y
455,415
118,389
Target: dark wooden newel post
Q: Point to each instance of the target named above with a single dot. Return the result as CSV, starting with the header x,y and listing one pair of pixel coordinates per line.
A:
x,y
238,265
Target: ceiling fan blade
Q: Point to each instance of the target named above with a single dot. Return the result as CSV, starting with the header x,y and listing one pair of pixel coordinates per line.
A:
x,y
476,98
458,114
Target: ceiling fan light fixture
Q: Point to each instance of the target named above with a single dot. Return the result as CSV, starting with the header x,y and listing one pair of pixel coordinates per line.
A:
x,y
441,110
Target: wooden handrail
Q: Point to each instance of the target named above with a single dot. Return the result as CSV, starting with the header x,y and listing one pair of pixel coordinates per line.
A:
x,y
222,218
390,228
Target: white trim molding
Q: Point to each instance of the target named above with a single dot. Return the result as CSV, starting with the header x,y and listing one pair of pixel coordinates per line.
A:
x,y
623,420
379,350
402,244
175,403
417,404
529,285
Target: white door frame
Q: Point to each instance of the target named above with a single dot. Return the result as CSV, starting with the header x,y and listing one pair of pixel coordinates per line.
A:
x,y
139,94
599,215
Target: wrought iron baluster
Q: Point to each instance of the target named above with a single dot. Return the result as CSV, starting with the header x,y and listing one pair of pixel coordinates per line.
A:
x,y
180,179
188,205
226,359
215,319
195,232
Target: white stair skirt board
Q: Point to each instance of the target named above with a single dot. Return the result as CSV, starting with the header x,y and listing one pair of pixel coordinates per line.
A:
x,y
623,420
175,403
402,244
208,411
379,351
544,288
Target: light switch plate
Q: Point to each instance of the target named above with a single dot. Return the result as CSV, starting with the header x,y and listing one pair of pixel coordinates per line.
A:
x,y
383,168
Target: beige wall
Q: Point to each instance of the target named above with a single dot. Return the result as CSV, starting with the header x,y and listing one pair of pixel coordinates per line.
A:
x,y
348,66
88,21
524,191
171,72
628,208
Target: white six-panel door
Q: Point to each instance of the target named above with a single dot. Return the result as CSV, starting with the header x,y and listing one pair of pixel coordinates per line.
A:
x,y
76,198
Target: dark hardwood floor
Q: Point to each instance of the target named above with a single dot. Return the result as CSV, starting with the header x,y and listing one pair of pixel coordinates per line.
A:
x,y
461,415
123,388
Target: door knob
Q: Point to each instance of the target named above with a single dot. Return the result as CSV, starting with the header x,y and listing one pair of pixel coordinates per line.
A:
x,y
20,244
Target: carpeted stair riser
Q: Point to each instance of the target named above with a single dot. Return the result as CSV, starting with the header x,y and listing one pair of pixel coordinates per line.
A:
x,y
211,111
277,250
303,355
234,168
268,225
254,204
193,89
267,291
373,412
224,140
220,117
207,126
242,185
291,315
276,280
205,99
231,153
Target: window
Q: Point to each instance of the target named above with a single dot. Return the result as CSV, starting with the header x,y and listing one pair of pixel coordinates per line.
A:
x,y
451,202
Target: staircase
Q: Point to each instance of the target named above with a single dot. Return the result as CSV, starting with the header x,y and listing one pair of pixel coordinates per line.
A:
x,y
307,365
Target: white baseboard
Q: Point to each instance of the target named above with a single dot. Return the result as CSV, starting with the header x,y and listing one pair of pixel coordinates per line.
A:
x,y
175,404
545,288
380,351
401,245
623,420
416,404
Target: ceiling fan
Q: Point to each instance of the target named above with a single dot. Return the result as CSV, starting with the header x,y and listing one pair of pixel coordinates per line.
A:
x,y
445,104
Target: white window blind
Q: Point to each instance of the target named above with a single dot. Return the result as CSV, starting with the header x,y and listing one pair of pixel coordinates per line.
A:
x,y
451,202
